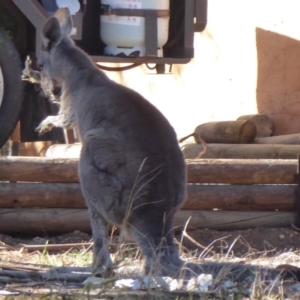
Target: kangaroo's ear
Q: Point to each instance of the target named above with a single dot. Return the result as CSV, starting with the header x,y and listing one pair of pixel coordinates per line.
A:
x,y
65,20
51,33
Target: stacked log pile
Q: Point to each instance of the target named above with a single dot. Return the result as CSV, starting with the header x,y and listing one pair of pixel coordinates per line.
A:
x,y
42,195
248,137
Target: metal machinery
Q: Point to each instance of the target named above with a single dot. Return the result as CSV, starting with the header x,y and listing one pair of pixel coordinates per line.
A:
x,y
20,25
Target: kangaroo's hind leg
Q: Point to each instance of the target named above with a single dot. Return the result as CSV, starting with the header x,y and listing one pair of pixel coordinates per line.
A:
x,y
154,234
102,263
102,190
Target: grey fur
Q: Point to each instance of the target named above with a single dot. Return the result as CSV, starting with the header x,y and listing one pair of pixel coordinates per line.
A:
x,y
51,90
131,169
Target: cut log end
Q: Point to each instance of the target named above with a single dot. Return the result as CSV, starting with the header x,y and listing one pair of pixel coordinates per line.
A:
x,y
247,133
264,125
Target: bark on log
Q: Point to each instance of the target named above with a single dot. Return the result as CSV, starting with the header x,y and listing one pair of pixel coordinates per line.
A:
x,y
241,197
200,197
241,171
232,220
264,125
228,132
38,169
41,195
287,139
57,221
43,221
232,171
252,151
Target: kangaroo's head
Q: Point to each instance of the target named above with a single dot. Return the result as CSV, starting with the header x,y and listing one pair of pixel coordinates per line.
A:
x,y
55,44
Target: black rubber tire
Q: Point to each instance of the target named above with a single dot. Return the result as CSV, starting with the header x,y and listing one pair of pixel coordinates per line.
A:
x,y
11,68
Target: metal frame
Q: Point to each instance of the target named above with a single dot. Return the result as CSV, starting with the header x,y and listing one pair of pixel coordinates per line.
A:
x,y
37,15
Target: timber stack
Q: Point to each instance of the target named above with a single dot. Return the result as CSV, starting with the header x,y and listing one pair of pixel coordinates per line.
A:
x,y
248,137
41,195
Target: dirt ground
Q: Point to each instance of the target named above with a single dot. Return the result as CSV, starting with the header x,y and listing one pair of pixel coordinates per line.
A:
x,y
241,242
237,242
263,247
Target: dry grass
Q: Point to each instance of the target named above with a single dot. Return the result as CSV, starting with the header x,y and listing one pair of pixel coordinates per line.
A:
x,y
246,277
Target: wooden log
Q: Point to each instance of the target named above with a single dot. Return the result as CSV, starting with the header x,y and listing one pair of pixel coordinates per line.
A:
x,y
232,171
252,151
38,169
241,197
43,221
200,197
242,171
41,195
290,139
264,125
64,151
57,221
232,220
228,132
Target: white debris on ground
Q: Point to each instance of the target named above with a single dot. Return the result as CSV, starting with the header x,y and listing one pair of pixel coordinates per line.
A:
x,y
8,293
204,283
195,284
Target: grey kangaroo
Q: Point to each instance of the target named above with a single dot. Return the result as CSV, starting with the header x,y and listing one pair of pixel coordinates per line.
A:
x,y
132,172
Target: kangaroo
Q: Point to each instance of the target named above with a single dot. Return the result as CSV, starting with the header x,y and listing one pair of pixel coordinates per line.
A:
x,y
132,172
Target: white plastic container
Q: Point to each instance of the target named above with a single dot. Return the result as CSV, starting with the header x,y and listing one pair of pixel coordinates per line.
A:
x,y
127,34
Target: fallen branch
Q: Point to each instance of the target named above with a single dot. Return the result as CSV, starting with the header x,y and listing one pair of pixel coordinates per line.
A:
x,y
56,274
53,247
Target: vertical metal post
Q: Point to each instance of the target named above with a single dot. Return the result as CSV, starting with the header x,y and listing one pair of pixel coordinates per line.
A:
x,y
189,23
151,39
34,12
201,15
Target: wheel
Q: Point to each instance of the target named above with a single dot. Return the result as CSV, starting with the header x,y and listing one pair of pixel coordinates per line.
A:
x,y
11,87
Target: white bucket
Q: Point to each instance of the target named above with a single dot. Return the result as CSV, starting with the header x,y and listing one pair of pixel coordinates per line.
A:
x,y
127,34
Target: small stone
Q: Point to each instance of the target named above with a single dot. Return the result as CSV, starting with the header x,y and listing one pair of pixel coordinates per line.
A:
x,y
163,282
228,284
173,284
137,284
204,281
282,236
95,281
180,284
124,283
192,284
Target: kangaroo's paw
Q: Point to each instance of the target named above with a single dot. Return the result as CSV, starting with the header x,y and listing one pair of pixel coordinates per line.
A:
x,y
46,125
